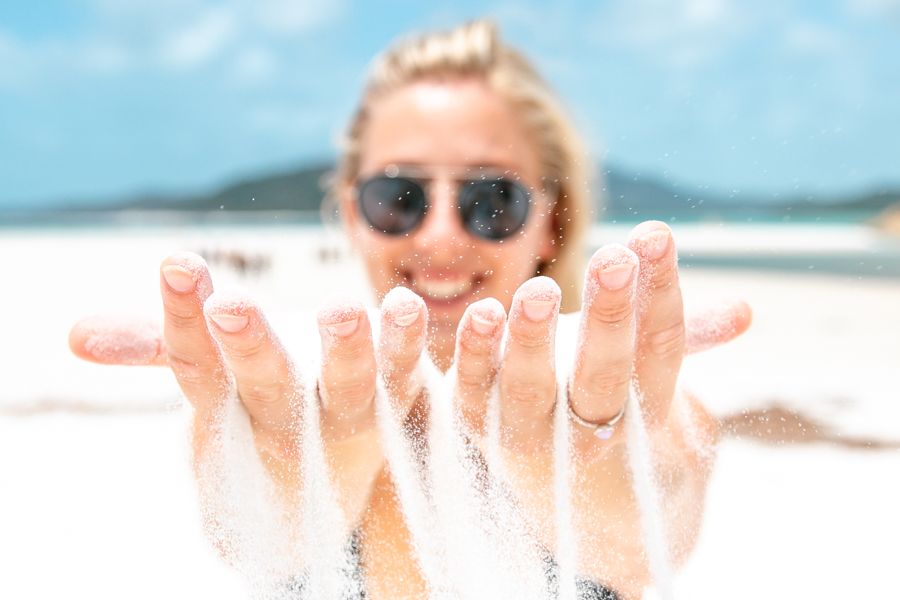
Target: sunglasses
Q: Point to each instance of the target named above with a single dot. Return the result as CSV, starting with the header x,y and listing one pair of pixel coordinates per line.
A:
x,y
491,208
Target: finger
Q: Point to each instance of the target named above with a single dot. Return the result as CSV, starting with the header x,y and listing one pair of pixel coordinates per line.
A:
x,y
528,372
603,367
118,340
660,333
477,358
717,325
192,352
347,378
263,374
404,318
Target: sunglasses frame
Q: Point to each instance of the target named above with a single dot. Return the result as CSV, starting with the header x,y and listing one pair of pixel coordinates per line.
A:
x,y
421,179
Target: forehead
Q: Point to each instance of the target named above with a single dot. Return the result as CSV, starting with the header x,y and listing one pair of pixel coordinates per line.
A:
x,y
457,122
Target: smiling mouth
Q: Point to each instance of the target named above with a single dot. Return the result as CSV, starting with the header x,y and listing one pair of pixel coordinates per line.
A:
x,y
443,290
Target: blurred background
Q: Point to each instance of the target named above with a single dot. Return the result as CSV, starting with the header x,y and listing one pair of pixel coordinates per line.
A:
x,y
700,106
766,133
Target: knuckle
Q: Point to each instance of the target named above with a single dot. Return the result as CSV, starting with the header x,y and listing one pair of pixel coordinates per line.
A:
x,y
530,341
527,392
614,376
346,383
663,276
611,313
403,356
471,346
184,318
262,394
668,341
350,352
349,392
182,363
187,309
475,376
191,372
245,350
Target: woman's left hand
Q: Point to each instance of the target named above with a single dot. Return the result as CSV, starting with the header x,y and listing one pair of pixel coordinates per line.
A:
x,y
632,331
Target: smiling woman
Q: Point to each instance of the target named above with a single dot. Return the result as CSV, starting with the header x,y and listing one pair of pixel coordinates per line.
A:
x,y
506,468
465,103
464,130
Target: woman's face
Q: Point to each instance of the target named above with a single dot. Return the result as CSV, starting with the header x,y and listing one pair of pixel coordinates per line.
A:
x,y
444,132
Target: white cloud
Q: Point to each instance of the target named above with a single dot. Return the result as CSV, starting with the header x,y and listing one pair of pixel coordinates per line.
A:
x,y
813,38
24,64
177,35
294,16
201,41
680,34
705,13
254,65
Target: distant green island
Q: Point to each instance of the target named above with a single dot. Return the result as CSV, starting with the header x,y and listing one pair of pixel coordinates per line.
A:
x,y
624,196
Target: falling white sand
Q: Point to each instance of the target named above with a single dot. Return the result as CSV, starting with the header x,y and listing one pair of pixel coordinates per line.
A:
x,y
97,488
470,538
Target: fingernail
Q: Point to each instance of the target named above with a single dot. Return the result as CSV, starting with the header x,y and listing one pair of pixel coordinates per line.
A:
x,y
482,325
405,320
230,323
345,328
538,310
614,277
654,244
178,278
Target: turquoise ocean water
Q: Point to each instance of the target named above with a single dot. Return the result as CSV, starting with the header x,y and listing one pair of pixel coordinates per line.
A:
x,y
835,243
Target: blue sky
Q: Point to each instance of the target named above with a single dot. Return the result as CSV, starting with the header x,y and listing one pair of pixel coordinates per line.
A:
x,y
104,98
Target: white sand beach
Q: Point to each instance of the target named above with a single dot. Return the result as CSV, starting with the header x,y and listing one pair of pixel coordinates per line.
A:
x,y
96,497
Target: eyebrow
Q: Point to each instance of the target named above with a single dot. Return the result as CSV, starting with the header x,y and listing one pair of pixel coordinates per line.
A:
x,y
424,171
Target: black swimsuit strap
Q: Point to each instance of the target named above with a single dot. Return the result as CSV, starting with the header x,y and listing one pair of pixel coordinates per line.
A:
x,y
586,588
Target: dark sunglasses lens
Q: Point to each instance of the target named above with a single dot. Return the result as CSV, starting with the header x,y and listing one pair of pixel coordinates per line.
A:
x,y
494,209
392,205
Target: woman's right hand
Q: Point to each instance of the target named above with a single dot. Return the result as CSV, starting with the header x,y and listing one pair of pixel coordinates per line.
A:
x,y
219,344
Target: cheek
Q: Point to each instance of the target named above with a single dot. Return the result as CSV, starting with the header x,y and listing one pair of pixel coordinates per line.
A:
x,y
513,264
382,261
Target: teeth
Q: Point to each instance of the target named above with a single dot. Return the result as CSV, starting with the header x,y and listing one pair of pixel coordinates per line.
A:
x,y
443,290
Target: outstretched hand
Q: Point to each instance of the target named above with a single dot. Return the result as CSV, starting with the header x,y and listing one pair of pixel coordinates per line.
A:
x,y
632,335
218,344
633,328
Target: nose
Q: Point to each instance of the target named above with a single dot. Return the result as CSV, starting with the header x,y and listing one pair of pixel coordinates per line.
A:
x,y
441,236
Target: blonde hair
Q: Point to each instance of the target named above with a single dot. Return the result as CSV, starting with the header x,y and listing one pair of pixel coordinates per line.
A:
x,y
475,50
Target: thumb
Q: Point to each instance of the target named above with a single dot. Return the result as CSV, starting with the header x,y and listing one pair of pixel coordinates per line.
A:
x,y
118,340
714,326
